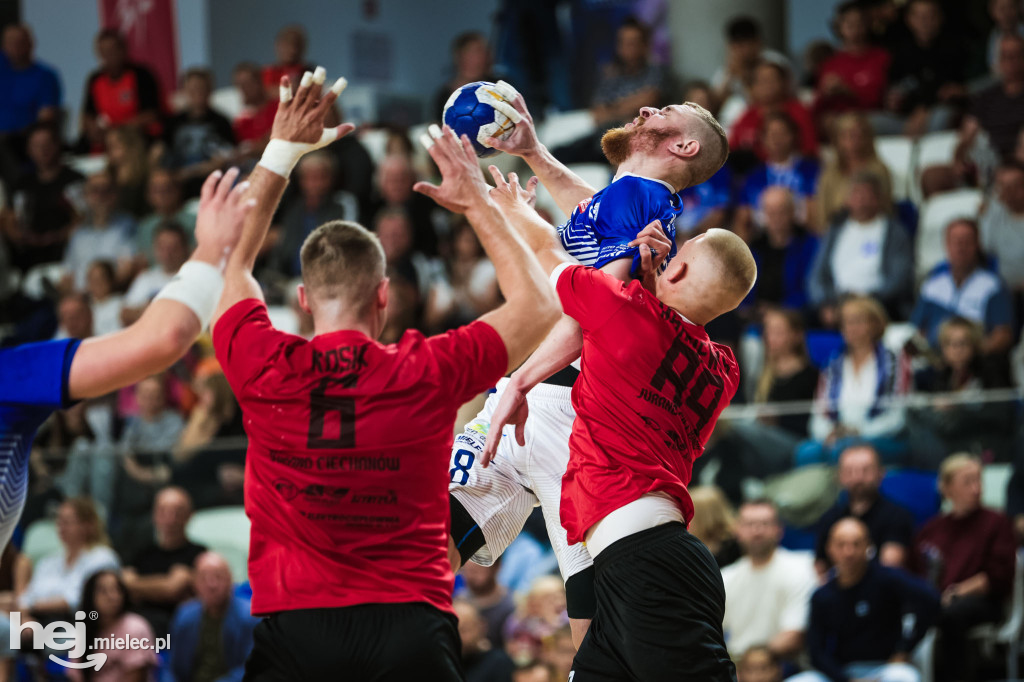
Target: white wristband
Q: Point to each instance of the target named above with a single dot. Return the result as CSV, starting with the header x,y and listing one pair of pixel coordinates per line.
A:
x,y
280,156
197,286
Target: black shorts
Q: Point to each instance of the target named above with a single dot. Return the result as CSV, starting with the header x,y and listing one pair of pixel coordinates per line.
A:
x,y
660,604
369,642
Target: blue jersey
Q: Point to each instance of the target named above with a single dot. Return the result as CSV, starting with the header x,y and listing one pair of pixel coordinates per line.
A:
x,y
601,227
700,200
33,383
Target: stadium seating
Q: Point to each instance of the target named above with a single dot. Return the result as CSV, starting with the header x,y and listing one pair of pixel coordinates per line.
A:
x,y
936,214
933,149
917,491
224,530
40,540
564,127
897,153
823,345
1009,632
994,478
227,101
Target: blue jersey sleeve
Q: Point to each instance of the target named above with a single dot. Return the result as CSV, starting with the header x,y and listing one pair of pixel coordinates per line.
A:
x,y
626,207
36,374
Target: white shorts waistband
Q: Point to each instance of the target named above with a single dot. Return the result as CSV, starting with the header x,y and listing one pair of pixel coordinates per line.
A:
x,y
544,391
649,511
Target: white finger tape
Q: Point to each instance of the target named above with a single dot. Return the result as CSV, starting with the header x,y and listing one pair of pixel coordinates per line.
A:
x,y
319,75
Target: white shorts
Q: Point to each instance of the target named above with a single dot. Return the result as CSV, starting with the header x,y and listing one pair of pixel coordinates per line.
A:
x,y
501,497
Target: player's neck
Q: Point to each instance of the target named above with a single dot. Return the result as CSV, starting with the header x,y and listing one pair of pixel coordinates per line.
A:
x,y
653,168
333,316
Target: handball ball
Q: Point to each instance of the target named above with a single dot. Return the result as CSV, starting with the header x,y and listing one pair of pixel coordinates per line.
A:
x,y
481,110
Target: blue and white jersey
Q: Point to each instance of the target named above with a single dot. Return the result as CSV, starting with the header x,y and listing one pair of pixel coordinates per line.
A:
x,y
33,383
601,227
981,298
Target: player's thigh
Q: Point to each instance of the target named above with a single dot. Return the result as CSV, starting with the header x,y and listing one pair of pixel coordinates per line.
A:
x,y
596,661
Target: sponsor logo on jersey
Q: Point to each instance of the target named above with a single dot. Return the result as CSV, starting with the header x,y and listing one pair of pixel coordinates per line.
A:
x,y
582,206
381,496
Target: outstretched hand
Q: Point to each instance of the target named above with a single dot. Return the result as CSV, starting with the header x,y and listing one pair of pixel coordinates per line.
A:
x,y
508,193
523,140
512,408
300,117
222,212
462,182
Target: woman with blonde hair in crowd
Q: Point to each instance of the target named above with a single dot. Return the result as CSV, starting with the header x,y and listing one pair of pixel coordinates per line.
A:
x,y
714,523
853,141
968,554
859,393
128,163
540,614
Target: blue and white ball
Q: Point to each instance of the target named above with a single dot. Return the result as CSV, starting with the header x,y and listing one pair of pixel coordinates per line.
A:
x,y
471,111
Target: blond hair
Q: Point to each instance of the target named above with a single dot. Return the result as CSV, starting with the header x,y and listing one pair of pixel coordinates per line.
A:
x,y
953,464
342,260
736,263
870,307
714,144
85,512
714,520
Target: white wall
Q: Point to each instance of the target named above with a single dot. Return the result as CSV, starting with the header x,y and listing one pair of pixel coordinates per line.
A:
x,y
807,21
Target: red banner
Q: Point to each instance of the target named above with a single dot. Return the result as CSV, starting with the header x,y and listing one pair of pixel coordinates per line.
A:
x,y
150,29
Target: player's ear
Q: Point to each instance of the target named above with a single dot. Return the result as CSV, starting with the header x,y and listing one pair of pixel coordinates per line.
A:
x,y
677,269
383,291
304,300
686,148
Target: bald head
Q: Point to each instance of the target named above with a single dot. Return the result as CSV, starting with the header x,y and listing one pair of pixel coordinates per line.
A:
x,y
848,543
711,275
213,581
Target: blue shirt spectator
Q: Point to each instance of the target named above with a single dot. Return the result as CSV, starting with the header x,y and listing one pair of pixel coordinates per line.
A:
x,y
963,286
784,253
212,634
31,89
705,205
857,624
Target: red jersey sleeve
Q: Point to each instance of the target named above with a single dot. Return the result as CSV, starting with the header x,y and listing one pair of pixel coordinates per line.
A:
x,y
471,358
588,296
246,343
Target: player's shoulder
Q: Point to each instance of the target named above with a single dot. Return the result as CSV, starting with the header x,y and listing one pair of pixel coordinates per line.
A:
x,y
36,374
638,187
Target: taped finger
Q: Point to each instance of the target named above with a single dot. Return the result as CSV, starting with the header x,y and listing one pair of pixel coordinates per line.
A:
x,y
506,90
339,85
307,78
427,141
319,75
435,131
508,110
285,94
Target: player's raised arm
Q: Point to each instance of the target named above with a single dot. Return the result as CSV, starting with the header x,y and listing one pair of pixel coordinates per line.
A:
x,y
531,307
298,129
566,188
182,309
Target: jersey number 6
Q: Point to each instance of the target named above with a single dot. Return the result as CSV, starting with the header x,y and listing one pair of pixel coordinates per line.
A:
x,y
321,404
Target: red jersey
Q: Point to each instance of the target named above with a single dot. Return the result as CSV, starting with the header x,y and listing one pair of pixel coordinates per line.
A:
x,y
346,480
650,391
123,98
255,124
865,74
746,131
272,75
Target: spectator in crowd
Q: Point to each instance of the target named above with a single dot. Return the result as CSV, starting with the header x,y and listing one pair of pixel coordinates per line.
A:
x,y
44,204
858,619
890,527
714,524
854,143
629,82
198,140
355,168
290,50
159,577
481,661
998,110
170,251
945,427
212,634
772,93
559,653
105,596
209,458
858,395
758,664
814,57
866,251
469,290
118,93
534,671
492,600
926,77
964,286
708,204
857,74
783,167
1007,20
395,178
104,300
784,252
968,555
472,61
74,317
164,196
313,207
744,49
768,590
1002,226
32,89
764,447
252,125
128,164
55,589
413,268
540,615
145,446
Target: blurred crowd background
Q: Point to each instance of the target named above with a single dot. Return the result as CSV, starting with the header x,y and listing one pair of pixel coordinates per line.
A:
x,y
877,175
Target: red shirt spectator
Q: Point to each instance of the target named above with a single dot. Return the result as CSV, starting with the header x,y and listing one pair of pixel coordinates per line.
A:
x,y
290,48
855,77
771,92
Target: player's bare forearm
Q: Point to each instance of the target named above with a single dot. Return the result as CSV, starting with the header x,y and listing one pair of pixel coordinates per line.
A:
x,y
267,188
559,348
566,188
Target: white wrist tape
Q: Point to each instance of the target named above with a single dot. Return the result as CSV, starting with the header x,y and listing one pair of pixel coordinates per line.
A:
x,y
197,286
280,156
